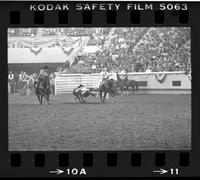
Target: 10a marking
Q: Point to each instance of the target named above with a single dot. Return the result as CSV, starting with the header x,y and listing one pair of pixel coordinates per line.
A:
x,y
76,171
69,171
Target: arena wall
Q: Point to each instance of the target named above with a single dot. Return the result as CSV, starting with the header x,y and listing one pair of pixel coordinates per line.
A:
x,y
149,83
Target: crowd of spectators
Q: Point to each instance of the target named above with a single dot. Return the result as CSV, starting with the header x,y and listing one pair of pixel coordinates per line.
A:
x,y
125,49
98,36
140,50
162,49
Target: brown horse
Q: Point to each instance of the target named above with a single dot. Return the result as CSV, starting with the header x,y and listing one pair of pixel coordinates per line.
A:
x,y
125,84
43,89
120,84
108,86
130,83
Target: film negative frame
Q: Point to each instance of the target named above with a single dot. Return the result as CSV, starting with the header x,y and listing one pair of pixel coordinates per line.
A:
x,y
100,163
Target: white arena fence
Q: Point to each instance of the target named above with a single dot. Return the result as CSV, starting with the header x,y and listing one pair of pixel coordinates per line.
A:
x,y
148,83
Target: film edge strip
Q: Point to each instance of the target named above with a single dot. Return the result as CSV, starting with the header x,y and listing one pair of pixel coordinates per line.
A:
x,y
87,17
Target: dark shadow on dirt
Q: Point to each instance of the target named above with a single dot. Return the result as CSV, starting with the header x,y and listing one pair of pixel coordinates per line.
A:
x,y
28,105
59,103
80,103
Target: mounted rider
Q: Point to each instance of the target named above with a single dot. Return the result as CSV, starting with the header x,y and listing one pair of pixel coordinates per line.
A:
x,y
43,74
104,77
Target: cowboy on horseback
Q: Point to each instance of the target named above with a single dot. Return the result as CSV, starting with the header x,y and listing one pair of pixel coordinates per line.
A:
x,y
42,87
104,77
107,85
43,74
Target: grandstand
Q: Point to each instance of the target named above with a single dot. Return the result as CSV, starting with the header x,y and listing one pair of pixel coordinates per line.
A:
x,y
132,49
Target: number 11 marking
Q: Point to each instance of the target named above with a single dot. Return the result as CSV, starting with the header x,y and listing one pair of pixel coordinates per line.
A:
x,y
174,171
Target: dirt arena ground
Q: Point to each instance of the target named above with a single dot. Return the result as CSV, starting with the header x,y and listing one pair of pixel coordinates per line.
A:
x,y
140,122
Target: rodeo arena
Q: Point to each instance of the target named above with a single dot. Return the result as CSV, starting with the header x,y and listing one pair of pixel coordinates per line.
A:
x,y
99,88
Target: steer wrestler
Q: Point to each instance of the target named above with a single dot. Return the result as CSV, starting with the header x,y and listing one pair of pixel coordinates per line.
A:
x,y
81,92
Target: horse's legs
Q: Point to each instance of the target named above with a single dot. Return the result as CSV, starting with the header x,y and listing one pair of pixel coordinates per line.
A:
x,y
81,97
113,96
133,88
38,96
100,94
47,98
115,100
116,90
121,89
107,95
125,90
41,99
75,98
128,92
104,96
